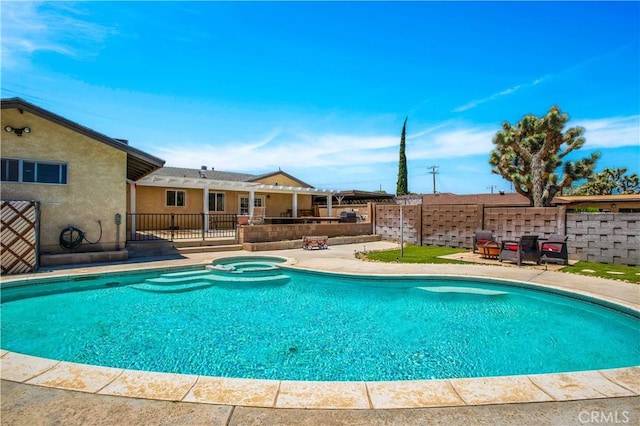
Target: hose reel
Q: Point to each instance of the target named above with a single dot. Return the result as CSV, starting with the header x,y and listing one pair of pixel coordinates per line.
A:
x,y
72,237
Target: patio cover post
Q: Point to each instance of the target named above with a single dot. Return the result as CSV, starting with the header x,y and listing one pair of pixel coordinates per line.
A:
x,y
132,206
205,207
294,204
330,205
252,200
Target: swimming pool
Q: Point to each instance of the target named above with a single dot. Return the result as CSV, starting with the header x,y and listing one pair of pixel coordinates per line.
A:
x,y
318,327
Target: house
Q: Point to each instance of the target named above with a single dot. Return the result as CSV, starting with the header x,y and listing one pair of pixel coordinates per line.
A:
x,y
355,196
210,191
77,176
622,203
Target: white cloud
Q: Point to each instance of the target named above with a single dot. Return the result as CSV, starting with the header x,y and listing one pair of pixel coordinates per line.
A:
x,y
456,142
611,132
321,151
505,92
31,27
334,156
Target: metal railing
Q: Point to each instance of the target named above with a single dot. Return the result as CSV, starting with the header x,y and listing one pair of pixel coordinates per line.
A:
x,y
177,226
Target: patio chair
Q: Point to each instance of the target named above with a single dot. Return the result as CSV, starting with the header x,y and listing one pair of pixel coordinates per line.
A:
x,y
258,216
525,248
554,249
481,237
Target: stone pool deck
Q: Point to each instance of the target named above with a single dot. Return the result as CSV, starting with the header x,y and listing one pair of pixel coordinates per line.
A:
x,y
40,391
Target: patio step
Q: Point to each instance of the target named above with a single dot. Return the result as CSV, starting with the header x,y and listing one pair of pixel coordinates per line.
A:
x,y
151,249
210,249
139,249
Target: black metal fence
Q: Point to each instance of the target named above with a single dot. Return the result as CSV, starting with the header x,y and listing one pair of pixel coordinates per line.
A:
x,y
171,226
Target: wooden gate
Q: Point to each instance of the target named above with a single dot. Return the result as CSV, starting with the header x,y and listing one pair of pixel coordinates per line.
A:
x,y
19,236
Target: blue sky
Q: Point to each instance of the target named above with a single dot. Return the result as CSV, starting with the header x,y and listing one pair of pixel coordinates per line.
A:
x,y
321,89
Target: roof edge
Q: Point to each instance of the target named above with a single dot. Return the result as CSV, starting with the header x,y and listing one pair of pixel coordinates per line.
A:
x,y
22,105
280,172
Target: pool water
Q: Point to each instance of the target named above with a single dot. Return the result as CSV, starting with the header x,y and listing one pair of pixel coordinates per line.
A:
x,y
313,326
250,263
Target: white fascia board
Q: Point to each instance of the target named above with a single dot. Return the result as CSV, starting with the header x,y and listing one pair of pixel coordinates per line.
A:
x,y
177,182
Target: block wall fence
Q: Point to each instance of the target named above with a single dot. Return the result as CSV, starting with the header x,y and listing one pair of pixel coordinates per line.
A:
x,y
595,237
269,233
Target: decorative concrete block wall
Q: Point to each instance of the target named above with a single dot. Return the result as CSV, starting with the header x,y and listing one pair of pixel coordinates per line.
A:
x,y
388,224
604,237
512,222
450,225
598,237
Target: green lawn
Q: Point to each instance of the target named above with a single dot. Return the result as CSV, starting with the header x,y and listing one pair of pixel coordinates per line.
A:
x,y
429,254
414,254
628,273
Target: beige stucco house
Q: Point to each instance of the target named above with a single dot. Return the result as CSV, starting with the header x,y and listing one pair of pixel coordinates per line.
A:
x,y
86,180
77,175
209,191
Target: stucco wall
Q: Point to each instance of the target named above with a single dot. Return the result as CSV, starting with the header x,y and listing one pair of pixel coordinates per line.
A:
x,y
278,204
151,199
96,188
279,179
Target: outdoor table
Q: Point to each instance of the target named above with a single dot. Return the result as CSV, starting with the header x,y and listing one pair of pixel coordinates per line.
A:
x,y
490,250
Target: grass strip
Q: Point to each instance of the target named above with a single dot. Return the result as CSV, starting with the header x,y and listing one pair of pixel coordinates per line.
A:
x,y
430,254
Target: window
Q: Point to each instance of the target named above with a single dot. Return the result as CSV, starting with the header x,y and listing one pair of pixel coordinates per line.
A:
x,y
258,201
9,170
216,201
14,170
175,198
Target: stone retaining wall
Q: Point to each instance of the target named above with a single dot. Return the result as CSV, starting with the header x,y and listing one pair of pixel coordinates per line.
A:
x,y
269,233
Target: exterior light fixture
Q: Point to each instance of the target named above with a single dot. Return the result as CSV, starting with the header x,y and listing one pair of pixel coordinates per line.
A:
x,y
17,131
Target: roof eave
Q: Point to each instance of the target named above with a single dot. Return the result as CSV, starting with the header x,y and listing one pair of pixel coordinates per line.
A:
x,y
139,163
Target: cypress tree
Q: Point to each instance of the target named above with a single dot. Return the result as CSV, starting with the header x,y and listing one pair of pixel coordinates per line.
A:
x,y
402,187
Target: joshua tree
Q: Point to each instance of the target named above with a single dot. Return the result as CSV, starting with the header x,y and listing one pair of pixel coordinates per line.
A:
x,y
529,153
609,181
402,187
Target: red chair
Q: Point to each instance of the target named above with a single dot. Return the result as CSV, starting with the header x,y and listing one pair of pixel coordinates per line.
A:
x,y
525,248
482,237
554,249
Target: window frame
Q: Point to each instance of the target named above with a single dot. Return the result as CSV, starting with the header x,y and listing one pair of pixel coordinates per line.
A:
x,y
175,197
38,171
258,201
216,205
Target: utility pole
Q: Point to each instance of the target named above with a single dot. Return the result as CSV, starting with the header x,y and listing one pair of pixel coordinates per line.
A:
x,y
434,173
491,187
